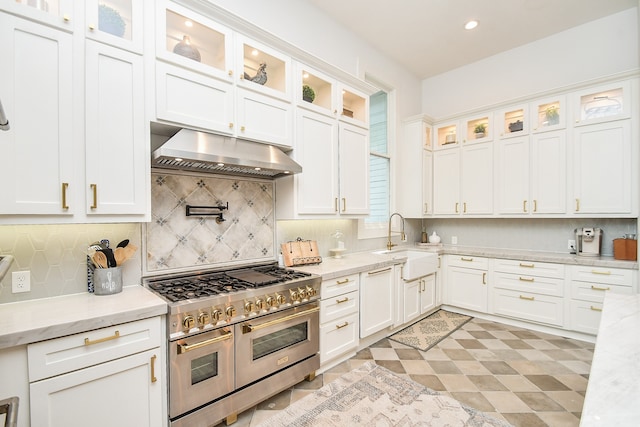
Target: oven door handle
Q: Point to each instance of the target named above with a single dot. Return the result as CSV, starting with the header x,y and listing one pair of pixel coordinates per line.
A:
x,y
247,327
183,348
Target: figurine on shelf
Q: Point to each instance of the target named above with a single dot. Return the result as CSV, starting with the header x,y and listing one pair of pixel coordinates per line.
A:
x,y
261,75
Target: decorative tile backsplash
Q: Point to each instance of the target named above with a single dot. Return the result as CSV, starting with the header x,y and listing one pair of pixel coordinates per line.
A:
x,y
175,240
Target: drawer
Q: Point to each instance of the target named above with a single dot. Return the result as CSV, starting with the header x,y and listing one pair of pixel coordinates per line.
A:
x,y
335,307
338,337
589,291
533,284
527,306
613,276
529,268
66,354
585,316
334,287
468,262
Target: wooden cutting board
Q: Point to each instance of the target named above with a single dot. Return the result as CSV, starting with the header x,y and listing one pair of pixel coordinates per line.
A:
x,y
300,252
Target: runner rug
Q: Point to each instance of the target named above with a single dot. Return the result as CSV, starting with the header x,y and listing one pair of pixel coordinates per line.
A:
x,y
431,330
374,396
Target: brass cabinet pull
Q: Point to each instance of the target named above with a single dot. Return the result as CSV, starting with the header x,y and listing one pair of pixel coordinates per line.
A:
x,y
525,279
596,308
601,272
340,301
241,128
527,298
65,185
335,204
94,189
153,368
116,335
344,204
524,206
66,17
484,278
247,327
577,205
230,72
535,205
465,259
342,282
92,27
527,265
426,207
464,207
345,324
183,348
230,125
457,207
597,288
382,270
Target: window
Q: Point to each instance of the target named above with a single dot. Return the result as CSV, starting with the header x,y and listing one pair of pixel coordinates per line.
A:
x,y
375,225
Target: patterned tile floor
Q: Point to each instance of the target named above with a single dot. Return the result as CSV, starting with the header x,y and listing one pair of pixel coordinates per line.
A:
x,y
527,378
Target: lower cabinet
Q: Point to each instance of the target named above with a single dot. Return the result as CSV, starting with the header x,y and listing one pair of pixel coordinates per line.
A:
x,y
466,285
339,319
106,377
376,300
419,297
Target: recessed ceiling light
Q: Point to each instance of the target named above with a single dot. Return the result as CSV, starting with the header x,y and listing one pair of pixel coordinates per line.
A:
x,y
188,23
254,52
470,25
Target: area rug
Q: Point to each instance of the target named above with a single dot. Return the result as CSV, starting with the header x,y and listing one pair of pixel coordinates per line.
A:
x,y
431,330
374,396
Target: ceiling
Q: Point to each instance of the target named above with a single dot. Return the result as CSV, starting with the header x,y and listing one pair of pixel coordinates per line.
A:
x,y
427,36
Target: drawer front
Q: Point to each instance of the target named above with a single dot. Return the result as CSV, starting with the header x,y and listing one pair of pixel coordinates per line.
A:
x,y
528,306
468,262
530,268
338,337
537,285
341,285
613,276
585,316
595,292
339,306
66,354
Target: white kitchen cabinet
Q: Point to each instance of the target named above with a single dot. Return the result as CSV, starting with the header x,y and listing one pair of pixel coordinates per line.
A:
x,y
446,182
376,300
466,285
478,129
477,179
416,141
419,297
59,14
324,87
512,121
110,376
549,113
14,372
589,285
339,319
531,174
263,118
354,170
37,92
602,103
602,159
116,178
116,22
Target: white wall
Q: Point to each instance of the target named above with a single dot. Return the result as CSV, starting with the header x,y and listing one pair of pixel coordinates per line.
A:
x,y
600,48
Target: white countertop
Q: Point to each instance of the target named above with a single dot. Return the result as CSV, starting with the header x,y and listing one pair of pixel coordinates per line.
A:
x,y
613,391
41,319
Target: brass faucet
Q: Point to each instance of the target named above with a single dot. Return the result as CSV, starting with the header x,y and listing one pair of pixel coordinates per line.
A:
x,y
402,235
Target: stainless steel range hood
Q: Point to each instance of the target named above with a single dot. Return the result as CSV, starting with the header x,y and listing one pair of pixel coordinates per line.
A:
x,y
192,150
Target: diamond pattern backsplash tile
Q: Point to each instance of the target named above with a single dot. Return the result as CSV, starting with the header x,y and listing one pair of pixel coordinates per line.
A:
x,y
175,240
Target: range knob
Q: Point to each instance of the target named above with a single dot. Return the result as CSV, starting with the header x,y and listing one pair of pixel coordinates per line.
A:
x,y
270,301
230,311
302,292
295,296
188,321
280,299
216,314
203,319
259,304
311,292
248,306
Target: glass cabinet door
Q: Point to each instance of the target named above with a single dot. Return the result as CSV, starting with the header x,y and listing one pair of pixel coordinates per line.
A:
x,y
548,114
262,69
478,129
193,41
116,22
315,91
512,121
602,104
446,135
354,106
58,13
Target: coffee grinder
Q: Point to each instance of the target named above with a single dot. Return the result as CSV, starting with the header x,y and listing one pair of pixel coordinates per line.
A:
x,y
588,241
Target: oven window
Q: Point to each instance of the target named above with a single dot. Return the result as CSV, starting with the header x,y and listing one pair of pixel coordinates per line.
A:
x,y
204,367
279,339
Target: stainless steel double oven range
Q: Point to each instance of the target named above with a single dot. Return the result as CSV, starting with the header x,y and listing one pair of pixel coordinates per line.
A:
x,y
236,337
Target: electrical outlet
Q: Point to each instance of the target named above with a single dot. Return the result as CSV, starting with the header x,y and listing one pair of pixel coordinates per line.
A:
x,y
571,245
454,240
21,281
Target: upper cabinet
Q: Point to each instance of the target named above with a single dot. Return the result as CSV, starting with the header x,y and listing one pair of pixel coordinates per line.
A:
x,y
413,154
478,129
115,22
446,135
548,114
315,90
353,106
512,121
56,13
602,104
262,69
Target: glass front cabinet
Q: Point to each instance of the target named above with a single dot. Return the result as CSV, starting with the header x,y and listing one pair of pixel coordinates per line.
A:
x,y
115,22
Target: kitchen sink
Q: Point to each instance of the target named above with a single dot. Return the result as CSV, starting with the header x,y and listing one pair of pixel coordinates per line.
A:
x,y
417,264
